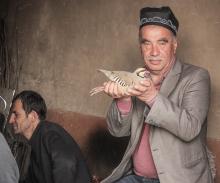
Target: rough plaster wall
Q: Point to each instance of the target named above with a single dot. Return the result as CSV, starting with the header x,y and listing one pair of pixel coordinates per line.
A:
x,y
61,43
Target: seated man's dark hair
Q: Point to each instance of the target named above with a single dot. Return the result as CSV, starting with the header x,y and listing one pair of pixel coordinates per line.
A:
x,y
32,101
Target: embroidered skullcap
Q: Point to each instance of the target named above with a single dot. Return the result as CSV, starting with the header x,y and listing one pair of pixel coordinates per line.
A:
x,y
162,16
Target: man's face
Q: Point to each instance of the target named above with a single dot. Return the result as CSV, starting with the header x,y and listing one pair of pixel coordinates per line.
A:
x,y
158,47
19,119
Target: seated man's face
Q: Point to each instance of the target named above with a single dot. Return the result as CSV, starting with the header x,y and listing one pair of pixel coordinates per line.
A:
x,y
19,119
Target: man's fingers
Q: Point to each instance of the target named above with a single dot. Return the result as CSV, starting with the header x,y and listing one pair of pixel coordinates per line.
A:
x,y
114,90
111,89
133,92
147,82
140,88
106,87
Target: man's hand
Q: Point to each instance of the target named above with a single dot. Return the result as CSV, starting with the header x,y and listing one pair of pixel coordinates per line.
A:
x,y
144,90
114,90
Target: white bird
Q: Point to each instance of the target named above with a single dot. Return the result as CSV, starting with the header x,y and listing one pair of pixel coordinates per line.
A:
x,y
124,79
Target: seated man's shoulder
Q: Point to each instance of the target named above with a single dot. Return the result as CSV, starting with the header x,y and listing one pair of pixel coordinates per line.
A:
x,y
52,129
50,126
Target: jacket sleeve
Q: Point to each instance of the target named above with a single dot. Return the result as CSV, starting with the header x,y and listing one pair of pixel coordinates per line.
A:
x,y
9,172
118,125
184,118
63,161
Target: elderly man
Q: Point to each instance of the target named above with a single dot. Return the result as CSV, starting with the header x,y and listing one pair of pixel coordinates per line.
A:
x,y
55,156
165,115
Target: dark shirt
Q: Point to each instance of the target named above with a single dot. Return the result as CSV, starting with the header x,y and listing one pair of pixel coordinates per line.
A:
x,y
55,157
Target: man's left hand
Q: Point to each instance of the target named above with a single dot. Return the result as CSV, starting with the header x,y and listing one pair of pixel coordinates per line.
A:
x,y
144,90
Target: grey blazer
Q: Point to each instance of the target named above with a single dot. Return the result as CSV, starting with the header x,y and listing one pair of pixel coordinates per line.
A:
x,y
9,172
178,127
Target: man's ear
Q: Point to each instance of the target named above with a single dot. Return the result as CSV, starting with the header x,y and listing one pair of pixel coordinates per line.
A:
x,y
175,44
33,116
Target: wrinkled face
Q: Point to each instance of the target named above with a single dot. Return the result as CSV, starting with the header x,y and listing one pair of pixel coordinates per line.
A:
x,y
158,47
19,119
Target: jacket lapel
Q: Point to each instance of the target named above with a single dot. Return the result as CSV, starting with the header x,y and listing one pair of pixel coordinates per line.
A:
x,y
171,79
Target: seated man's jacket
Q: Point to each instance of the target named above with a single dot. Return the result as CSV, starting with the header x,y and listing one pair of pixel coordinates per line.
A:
x,y
55,157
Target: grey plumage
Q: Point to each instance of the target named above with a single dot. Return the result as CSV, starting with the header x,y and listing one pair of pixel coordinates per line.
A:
x,y
124,79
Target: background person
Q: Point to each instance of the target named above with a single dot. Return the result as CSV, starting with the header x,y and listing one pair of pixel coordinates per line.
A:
x,y
55,156
9,172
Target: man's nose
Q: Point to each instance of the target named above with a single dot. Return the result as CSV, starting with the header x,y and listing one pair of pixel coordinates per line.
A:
x,y
155,50
11,119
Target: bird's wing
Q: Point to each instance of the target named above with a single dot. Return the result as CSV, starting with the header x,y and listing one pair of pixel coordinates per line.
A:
x,y
123,78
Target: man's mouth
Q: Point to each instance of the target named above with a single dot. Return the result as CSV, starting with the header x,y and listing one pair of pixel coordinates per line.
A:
x,y
155,61
15,127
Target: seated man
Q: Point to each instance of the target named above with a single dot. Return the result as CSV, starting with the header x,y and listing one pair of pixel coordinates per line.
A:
x,y
55,156
9,172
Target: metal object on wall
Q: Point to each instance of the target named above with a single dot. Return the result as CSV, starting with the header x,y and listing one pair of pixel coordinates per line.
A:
x,y
6,96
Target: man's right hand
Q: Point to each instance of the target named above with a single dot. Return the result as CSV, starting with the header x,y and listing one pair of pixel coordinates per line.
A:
x,y
113,90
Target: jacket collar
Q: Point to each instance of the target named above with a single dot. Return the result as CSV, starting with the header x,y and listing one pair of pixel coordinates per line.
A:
x,y
171,79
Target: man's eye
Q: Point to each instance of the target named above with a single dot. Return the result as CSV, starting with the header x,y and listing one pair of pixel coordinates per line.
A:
x,y
162,42
145,42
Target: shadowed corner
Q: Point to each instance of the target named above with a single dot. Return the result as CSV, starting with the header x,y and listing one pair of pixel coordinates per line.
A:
x,y
104,153
2,121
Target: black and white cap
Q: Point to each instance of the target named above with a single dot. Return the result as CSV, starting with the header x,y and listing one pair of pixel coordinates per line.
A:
x,y
162,16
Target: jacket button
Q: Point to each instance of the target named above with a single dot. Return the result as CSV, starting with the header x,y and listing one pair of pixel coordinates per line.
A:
x,y
151,121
